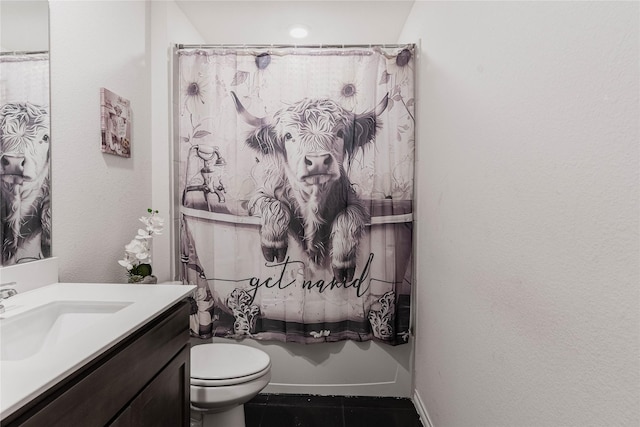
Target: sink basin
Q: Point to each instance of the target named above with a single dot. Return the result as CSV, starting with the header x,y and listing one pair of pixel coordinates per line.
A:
x,y
48,333
41,328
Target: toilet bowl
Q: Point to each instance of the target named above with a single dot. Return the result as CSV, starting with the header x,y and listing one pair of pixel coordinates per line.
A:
x,y
223,378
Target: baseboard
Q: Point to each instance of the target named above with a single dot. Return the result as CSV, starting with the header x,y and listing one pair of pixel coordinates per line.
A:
x,y
421,409
382,389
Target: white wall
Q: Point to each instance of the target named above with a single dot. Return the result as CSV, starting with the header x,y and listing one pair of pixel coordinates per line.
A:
x,y
527,180
528,248
168,27
97,198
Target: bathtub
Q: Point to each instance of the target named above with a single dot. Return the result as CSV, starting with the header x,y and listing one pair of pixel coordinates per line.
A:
x,y
295,295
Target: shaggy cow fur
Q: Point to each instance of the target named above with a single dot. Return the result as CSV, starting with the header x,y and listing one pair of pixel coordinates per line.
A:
x,y
25,208
307,191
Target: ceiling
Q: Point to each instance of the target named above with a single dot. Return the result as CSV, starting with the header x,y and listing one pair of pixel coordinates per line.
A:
x,y
268,22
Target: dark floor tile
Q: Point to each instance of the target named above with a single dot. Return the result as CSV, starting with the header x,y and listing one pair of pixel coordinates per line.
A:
x,y
253,414
301,416
301,410
260,399
305,400
381,417
377,402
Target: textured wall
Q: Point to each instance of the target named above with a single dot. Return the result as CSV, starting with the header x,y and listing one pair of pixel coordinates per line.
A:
x,y
97,198
168,27
528,242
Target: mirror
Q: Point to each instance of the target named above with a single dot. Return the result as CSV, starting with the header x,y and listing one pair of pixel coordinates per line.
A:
x,y
25,198
25,26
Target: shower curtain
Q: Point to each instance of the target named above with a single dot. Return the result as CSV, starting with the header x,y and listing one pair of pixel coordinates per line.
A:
x,y
295,176
25,208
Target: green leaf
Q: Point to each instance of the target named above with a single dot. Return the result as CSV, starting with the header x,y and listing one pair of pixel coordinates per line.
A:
x,y
135,278
143,270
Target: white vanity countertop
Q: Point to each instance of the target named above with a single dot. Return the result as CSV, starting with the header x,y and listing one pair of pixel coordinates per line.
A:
x,y
23,380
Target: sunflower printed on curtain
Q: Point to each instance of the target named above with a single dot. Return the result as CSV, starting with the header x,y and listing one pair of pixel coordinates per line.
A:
x,y
296,181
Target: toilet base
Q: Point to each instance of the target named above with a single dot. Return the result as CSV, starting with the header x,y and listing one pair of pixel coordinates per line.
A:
x,y
233,417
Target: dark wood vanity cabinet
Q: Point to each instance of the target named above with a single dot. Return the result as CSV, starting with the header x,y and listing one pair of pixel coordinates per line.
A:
x,y
142,381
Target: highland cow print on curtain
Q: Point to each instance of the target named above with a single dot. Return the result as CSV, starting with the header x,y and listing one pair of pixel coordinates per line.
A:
x,y
296,185
25,201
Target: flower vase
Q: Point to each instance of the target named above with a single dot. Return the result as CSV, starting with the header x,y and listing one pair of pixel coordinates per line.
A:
x,y
146,280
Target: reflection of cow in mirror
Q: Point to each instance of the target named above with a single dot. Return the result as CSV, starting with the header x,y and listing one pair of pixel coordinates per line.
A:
x,y
306,190
25,207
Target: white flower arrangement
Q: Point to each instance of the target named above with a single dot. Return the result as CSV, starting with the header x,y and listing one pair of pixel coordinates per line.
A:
x,y
137,254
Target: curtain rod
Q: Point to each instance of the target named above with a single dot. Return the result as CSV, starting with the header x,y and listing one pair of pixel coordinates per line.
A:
x,y
16,53
293,46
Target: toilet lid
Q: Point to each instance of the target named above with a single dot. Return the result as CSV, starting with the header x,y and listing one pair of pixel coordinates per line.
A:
x,y
223,361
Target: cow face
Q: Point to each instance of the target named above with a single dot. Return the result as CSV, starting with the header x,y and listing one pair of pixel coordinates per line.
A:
x,y
24,144
314,137
311,134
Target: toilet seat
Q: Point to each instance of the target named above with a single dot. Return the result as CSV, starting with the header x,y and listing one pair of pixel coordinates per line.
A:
x,y
217,364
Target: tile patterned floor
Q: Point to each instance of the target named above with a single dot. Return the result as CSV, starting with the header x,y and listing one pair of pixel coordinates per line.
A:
x,y
294,410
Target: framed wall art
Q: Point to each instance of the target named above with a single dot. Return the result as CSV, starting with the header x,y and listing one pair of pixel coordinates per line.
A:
x,y
115,119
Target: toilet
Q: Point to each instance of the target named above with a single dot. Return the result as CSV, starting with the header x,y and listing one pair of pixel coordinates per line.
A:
x,y
223,378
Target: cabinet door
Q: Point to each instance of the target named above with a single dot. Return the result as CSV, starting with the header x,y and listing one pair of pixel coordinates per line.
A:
x,y
165,401
124,419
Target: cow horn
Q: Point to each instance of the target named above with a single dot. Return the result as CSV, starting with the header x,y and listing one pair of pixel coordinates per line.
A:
x,y
382,105
247,116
